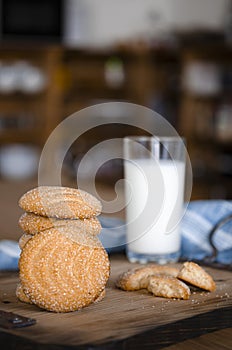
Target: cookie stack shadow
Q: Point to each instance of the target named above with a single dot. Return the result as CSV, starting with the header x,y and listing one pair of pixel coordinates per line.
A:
x,y
63,266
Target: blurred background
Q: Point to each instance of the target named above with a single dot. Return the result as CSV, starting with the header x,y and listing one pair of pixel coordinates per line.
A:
x,y
57,57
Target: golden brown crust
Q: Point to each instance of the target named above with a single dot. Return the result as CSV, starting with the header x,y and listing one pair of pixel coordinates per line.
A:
x,y
138,278
68,231
197,276
60,202
168,287
76,236
32,224
61,275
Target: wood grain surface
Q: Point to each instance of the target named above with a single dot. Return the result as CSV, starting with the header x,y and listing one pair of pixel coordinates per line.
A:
x,y
123,319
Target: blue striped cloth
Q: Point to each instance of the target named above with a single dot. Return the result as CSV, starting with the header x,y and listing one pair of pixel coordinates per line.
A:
x,y
199,219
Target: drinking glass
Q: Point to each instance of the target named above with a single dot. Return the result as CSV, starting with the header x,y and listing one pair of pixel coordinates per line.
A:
x,y
154,169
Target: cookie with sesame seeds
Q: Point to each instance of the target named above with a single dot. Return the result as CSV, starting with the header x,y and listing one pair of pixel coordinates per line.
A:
x,y
60,272
69,230
138,278
32,224
168,287
195,275
60,202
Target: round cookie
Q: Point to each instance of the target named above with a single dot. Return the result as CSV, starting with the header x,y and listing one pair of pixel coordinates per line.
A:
x,y
31,223
60,272
60,202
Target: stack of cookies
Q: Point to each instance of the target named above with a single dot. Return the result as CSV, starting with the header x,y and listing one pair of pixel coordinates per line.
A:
x,y
63,266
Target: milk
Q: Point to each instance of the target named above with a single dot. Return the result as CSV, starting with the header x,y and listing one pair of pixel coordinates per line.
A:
x,y
154,199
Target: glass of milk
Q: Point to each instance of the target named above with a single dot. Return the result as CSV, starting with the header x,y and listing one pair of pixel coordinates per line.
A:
x,y
154,169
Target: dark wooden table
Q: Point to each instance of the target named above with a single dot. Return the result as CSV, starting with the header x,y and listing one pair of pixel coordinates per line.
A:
x,y
123,320
126,320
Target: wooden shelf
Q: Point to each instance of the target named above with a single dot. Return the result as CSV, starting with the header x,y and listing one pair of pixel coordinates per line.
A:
x,y
198,123
44,106
21,136
77,79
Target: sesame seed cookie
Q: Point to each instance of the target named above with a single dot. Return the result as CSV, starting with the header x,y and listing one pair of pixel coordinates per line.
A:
x,y
70,231
60,202
31,223
168,287
62,273
197,276
138,278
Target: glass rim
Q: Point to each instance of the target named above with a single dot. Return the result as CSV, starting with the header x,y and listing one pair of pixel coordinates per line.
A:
x,y
155,138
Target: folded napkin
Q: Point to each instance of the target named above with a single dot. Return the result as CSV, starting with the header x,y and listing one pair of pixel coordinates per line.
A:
x,y
199,219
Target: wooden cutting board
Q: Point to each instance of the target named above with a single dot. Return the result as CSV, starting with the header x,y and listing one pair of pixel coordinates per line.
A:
x,y
122,319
